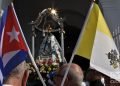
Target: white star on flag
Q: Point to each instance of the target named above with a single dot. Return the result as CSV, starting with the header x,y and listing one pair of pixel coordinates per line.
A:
x,y
13,35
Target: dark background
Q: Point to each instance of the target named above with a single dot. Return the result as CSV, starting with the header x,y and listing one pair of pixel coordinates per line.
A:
x,y
72,11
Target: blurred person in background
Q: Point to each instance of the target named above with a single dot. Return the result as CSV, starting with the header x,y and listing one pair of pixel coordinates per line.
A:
x,y
74,78
94,78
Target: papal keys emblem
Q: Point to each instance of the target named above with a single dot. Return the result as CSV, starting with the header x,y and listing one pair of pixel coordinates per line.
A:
x,y
114,58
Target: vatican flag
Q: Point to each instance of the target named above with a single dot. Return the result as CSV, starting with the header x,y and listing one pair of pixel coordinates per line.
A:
x,y
96,43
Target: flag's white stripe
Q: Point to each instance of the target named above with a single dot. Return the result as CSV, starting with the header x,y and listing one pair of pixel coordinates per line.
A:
x,y
8,56
1,43
1,76
102,46
1,13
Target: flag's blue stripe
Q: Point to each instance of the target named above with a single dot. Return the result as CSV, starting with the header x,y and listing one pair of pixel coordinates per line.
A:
x,y
1,68
3,21
0,83
1,64
17,59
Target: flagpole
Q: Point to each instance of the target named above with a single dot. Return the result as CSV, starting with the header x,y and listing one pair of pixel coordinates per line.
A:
x,y
78,42
33,41
29,52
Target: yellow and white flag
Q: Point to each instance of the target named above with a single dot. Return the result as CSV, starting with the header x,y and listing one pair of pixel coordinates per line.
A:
x,y
96,43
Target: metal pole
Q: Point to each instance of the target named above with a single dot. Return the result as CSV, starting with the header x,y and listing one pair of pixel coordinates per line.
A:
x,y
33,41
62,45
119,38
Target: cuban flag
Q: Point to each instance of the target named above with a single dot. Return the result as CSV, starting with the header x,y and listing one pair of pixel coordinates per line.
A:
x,y
13,49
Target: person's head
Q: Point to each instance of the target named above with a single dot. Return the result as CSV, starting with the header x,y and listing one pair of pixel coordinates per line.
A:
x,y
74,77
18,76
94,78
